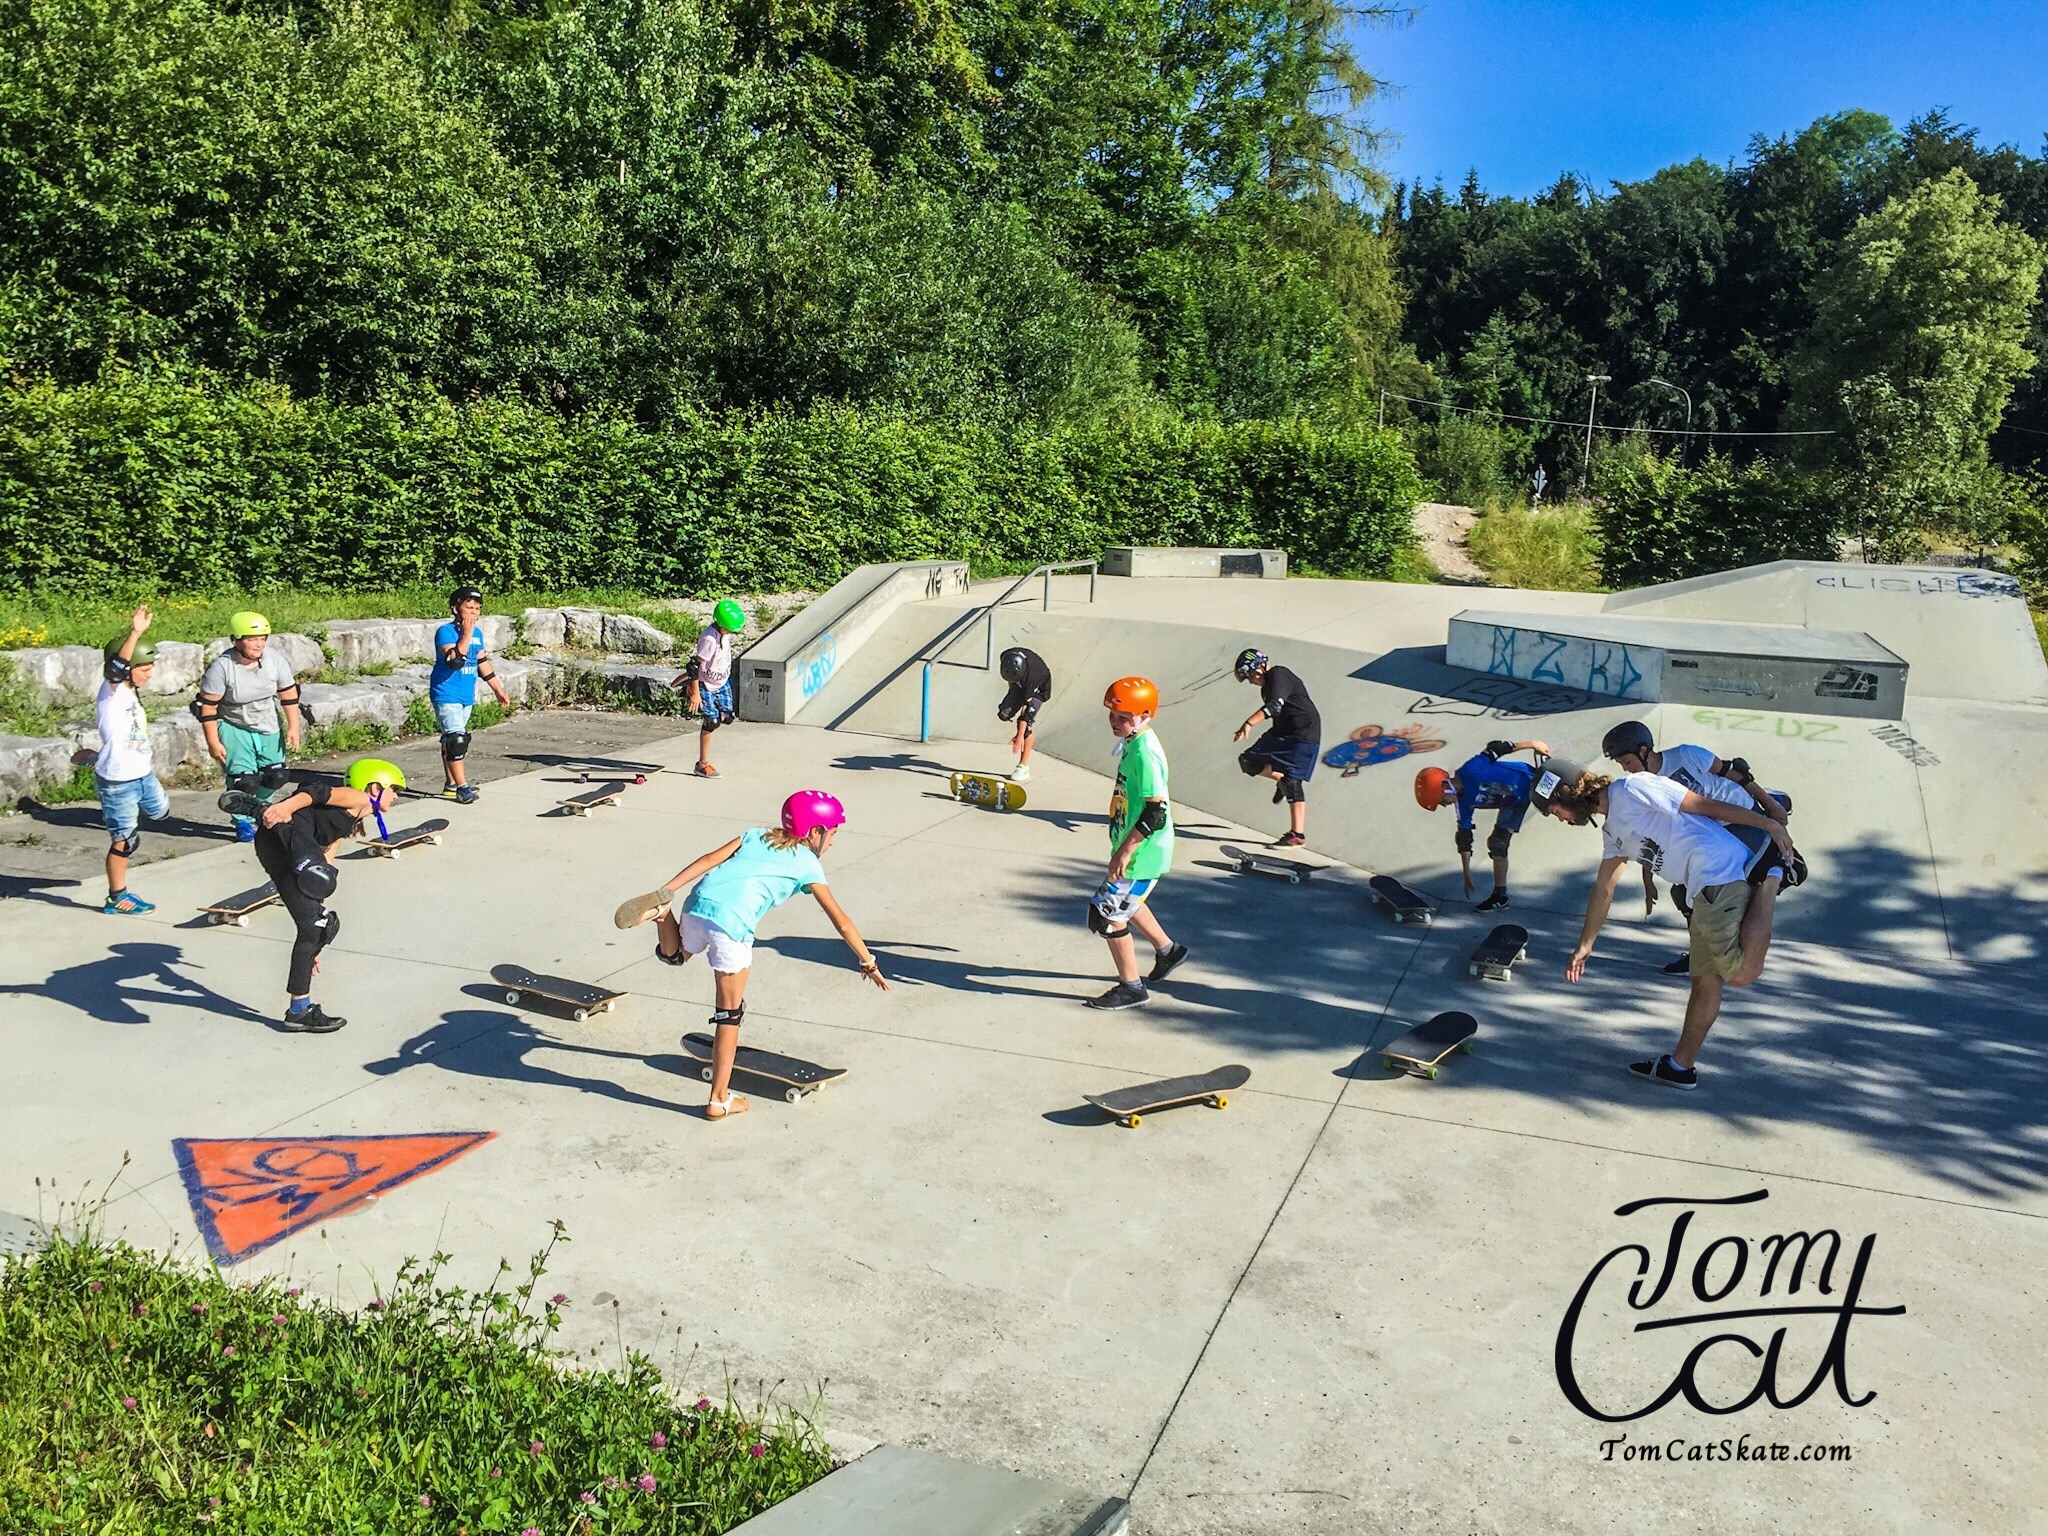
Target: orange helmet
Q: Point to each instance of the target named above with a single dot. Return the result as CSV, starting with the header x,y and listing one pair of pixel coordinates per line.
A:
x,y
1430,784
1132,696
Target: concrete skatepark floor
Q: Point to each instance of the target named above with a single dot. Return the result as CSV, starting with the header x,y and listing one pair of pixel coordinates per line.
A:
x,y
1336,1306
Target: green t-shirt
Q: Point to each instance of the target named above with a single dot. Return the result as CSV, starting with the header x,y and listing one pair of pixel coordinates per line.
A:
x,y
1141,776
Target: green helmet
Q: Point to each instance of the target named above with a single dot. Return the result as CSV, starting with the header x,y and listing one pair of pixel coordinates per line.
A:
x,y
729,615
116,670
247,623
365,771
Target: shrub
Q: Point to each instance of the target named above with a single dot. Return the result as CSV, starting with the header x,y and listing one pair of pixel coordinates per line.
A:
x,y
1654,521
1550,550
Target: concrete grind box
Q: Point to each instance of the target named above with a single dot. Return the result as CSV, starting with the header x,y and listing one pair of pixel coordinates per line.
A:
x,y
1124,560
1783,667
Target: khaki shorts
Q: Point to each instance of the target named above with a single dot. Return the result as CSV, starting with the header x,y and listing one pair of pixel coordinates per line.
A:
x,y
1717,913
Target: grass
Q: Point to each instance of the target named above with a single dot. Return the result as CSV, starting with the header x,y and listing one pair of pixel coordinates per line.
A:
x,y
137,1394
1550,550
76,790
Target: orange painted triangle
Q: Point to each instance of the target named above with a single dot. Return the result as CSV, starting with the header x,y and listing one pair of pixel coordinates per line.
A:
x,y
248,1194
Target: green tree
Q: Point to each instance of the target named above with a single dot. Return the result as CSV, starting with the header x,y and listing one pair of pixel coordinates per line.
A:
x,y
1918,338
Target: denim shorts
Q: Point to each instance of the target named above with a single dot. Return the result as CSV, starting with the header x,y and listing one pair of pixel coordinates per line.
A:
x,y
452,719
124,802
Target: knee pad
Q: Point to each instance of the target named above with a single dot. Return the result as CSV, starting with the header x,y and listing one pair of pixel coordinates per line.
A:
x,y
1293,789
1097,923
247,783
275,775
730,1016
316,878
1497,843
330,925
1249,764
1463,839
125,848
455,745
1678,900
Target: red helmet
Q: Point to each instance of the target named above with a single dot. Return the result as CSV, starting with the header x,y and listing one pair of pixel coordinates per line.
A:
x,y
1430,784
1132,696
809,809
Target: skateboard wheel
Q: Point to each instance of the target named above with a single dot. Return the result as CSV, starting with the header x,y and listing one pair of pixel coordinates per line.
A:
x,y
794,1095
392,853
1221,1101
435,839
240,919
1432,1074
639,778
705,1073
1294,879
1465,1046
1132,1121
512,998
579,1014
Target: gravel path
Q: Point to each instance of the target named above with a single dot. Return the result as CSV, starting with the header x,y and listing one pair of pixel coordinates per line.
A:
x,y
1442,526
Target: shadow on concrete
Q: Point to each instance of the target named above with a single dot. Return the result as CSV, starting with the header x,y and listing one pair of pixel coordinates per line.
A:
x,y
583,763
103,989
1448,690
495,1043
902,966
894,762
84,816
30,888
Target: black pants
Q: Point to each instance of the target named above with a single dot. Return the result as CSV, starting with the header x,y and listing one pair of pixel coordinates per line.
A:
x,y
314,921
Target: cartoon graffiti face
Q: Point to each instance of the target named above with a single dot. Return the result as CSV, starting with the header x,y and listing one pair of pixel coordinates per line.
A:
x,y
1369,745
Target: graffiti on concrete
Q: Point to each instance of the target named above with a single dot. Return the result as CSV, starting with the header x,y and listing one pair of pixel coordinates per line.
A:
x,y
1962,584
1609,668
816,670
1784,727
1369,745
1502,698
1843,681
1905,746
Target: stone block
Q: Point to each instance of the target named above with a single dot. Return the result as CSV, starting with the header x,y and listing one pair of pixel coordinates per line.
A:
x,y
178,665
585,626
499,632
370,699
634,637
27,761
543,628
360,643
301,651
59,668
529,681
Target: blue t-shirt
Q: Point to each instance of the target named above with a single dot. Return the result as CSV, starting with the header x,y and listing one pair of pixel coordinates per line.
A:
x,y
1486,785
454,685
753,882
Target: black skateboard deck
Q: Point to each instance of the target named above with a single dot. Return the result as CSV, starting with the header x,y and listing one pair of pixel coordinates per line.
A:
x,y
795,1076
604,794
584,778
1131,1105
1495,958
426,832
1275,861
1420,1050
236,908
989,790
1407,906
579,997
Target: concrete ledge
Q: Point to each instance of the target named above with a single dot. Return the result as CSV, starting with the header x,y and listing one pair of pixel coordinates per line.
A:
x,y
784,670
1125,560
916,1493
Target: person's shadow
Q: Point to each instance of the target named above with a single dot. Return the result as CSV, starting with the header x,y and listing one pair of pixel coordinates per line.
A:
x,y
33,888
919,966
104,989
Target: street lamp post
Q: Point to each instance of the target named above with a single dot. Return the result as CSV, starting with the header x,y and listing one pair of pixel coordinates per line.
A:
x,y
1685,452
1586,463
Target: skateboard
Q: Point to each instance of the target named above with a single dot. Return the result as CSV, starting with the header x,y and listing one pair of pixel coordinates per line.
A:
x,y
986,789
584,778
391,847
605,794
1131,1105
236,908
1249,859
1407,906
581,999
1418,1052
795,1076
1497,953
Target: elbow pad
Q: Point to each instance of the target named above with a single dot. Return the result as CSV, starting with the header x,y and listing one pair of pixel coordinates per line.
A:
x,y
204,710
1464,839
288,695
1499,749
317,792
1151,819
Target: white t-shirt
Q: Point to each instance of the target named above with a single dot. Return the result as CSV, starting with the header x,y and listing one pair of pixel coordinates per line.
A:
x,y
1694,768
714,656
124,735
1644,824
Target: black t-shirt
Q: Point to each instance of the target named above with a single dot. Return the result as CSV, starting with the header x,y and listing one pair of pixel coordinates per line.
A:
x,y
1289,707
316,827
1037,681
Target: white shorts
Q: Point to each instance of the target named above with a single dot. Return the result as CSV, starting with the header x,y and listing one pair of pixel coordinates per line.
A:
x,y
721,949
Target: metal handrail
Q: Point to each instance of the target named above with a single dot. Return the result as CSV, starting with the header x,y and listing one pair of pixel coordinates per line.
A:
x,y
934,655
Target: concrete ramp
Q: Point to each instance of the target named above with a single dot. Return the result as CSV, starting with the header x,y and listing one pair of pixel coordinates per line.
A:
x,y
1686,661
786,668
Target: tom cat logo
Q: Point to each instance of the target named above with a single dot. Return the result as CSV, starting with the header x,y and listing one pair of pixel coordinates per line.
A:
x,y
1774,1311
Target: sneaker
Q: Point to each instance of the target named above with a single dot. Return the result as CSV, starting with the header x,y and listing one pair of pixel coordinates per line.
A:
x,y
1497,902
467,794
127,904
1125,994
314,1021
1795,875
1279,792
1680,966
1291,840
241,805
1021,774
245,831
1167,961
1666,1071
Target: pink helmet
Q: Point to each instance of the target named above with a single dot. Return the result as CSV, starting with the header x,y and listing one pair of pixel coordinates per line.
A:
x,y
809,809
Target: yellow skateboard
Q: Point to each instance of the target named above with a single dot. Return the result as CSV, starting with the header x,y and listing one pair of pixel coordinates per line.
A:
x,y
986,789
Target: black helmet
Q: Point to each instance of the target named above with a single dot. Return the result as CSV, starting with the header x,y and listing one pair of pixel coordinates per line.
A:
x,y
1629,736
1249,662
1012,665
463,595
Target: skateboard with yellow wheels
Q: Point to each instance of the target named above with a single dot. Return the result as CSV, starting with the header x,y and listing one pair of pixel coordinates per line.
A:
x,y
986,789
1131,1105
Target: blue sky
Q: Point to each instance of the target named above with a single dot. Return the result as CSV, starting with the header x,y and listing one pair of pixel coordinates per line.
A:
x,y
1614,89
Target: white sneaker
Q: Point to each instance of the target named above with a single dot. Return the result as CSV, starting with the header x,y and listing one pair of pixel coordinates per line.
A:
x,y
1020,774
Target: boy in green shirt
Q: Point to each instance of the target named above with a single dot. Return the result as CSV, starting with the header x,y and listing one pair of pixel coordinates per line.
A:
x,y
1140,846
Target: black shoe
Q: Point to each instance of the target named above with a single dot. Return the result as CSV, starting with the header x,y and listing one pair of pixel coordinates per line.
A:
x,y
1166,961
1125,994
1666,1071
1680,966
314,1021
239,802
1279,791
1795,874
1291,840
1495,903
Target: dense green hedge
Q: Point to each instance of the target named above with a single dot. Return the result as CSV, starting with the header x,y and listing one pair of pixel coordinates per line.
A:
x,y
166,482
1654,521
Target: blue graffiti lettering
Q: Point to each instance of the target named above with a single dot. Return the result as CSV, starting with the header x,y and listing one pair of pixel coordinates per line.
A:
x,y
813,674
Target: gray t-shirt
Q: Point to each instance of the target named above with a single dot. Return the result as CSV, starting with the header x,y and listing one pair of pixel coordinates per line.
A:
x,y
248,695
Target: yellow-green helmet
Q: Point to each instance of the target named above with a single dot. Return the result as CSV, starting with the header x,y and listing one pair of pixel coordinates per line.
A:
x,y
365,771
247,623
